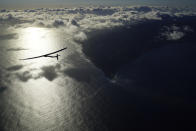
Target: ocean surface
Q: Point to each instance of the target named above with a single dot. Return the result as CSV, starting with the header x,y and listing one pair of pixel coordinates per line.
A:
x,y
138,75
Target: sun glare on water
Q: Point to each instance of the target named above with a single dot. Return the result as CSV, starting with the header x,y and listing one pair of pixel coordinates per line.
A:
x,y
38,96
37,39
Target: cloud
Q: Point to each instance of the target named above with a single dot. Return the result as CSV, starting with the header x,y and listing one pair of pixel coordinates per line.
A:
x,y
50,72
3,82
88,18
3,10
16,49
24,76
71,29
8,36
10,17
175,33
102,11
81,36
30,10
14,17
58,23
142,9
40,24
73,22
14,68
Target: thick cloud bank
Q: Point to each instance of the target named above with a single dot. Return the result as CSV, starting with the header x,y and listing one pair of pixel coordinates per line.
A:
x,y
89,17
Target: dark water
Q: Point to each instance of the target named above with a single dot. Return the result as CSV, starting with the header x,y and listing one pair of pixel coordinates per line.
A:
x,y
157,74
135,79
112,48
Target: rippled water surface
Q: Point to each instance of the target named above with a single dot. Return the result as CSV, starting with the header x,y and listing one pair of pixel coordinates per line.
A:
x,y
45,93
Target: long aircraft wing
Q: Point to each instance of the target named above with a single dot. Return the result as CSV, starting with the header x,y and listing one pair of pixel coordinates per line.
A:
x,y
45,54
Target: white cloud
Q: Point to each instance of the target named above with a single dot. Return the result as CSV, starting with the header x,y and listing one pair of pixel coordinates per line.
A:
x,y
175,33
89,17
81,36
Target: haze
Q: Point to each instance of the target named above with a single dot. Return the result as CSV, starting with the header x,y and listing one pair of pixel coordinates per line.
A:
x,y
67,3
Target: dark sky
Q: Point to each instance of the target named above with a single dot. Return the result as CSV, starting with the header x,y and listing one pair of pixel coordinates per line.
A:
x,y
37,3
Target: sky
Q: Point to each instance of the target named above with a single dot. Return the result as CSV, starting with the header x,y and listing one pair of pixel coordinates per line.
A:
x,y
62,3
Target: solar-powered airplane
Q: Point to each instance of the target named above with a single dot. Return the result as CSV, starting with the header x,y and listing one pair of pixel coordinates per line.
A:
x,y
47,55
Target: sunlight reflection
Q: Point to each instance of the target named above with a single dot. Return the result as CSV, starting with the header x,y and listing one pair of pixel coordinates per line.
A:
x,y
40,105
40,95
38,41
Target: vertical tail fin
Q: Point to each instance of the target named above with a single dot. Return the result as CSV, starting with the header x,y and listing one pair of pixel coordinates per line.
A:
x,y
57,56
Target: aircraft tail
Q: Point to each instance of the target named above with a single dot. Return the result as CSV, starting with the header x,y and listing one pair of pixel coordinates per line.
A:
x,y
57,56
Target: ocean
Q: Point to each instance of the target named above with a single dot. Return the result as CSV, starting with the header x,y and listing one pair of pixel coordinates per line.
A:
x,y
123,69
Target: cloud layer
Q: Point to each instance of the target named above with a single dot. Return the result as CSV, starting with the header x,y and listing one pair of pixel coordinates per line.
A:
x,y
80,22
88,17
